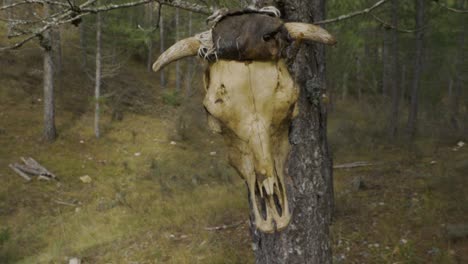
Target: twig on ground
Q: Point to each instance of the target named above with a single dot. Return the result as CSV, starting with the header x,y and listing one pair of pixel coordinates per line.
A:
x,y
65,203
353,165
32,168
224,227
20,173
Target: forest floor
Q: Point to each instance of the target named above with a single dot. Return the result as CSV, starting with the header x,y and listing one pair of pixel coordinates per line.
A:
x,y
160,180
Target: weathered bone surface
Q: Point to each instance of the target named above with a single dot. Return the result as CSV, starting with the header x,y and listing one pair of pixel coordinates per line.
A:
x,y
251,98
252,105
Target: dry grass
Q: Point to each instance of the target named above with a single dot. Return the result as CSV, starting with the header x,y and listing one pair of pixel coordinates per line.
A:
x,y
407,201
146,207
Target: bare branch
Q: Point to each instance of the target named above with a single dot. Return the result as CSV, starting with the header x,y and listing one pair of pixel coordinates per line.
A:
x,y
388,25
368,11
19,44
40,31
351,15
460,11
72,13
25,2
19,21
174,3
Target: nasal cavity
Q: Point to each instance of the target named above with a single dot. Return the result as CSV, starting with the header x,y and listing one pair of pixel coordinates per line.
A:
x,y
220,92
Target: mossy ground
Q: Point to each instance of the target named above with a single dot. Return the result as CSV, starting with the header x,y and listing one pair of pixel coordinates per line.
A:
x,y
150,201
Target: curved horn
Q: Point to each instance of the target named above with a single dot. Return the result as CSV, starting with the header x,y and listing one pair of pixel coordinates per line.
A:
x,y
309,32
183,48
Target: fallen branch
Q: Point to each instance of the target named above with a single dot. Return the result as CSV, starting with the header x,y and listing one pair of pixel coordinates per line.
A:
x,y
353,165
31,168
64,203
20,173
224,227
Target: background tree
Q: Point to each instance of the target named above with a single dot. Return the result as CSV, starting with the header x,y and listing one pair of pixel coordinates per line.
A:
x,y
47,43
458,80
151,28
177,38
98,76
413,111
162,74
394,75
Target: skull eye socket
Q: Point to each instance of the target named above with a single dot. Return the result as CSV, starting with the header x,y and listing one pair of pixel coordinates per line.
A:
x,y
268,37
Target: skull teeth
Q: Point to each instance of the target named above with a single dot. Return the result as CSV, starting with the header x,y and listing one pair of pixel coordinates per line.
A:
x,y
260,189
269,185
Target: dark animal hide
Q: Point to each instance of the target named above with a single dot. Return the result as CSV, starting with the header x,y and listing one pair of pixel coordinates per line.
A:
x,y
249,36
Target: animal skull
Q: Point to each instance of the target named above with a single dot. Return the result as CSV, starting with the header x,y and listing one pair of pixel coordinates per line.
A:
x,y
252,105
251,101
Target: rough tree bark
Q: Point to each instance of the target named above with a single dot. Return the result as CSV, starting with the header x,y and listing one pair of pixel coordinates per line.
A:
x,y
50,132
309,181
395,76
413,110
97,87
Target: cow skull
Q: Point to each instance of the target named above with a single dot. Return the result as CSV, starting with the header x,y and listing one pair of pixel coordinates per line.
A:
x,y
251,102
252,105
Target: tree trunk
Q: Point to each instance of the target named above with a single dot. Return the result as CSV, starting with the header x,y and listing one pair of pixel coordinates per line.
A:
x,y
9,16
386,68
177,36
395,76
97,87
375,51
50,132
309,184
344,91
359,78
403,81
56,36
458,78
84,59
191,63
149,44
161,49
413,110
